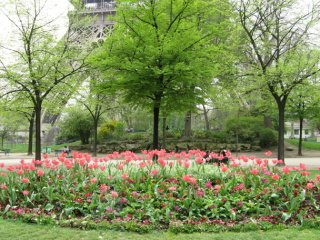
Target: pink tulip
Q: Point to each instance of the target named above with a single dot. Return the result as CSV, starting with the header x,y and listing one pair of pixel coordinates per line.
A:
x,y
94,180
154,171
268,153
305,173
186,178
142,164
20,172
25,180
125,175
286,170
114,194
193,180
310,185
224,168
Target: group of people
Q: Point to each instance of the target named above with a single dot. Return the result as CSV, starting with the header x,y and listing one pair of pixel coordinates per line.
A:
x,y
222,158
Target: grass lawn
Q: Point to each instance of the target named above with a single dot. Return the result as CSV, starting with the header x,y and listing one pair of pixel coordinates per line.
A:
x,y
23,148
11,230
313,173
305,145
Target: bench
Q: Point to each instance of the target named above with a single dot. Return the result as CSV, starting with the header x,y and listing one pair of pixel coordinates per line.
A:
x,y
5,151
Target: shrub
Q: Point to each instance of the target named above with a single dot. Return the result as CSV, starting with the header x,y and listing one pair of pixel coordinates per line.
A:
x,y
204,134
173,134
268,138
135,136
111,130
246,128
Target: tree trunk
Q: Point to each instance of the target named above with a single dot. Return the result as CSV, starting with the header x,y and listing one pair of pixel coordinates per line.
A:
x,y
156,111
187,124
206,118
281,108
163,133
30,141
95,137
300,137
38,130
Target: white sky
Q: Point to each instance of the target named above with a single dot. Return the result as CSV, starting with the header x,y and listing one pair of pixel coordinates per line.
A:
x,y
53,9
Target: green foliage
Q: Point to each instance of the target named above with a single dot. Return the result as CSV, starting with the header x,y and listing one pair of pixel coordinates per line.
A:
x,y
205,134
247,128
268,138
136,136
173,134
111,130
76,123
161,53
159,48
201,134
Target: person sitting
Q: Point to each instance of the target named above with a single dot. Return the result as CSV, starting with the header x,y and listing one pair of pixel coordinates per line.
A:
x,y
66,150
225,159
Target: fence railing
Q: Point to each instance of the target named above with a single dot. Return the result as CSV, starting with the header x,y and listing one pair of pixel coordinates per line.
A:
x,y
100,6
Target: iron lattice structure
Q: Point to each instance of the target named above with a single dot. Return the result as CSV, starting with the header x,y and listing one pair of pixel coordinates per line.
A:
x,y
99,27
98,11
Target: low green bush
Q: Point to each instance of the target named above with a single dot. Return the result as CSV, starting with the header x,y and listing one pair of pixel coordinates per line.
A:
x,y
268,138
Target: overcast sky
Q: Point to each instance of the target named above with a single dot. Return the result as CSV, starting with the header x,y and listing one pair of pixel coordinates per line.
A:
x,y
53,8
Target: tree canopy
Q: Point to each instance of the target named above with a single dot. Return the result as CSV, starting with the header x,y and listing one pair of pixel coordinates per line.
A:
x,y
279,49
42,61
163,53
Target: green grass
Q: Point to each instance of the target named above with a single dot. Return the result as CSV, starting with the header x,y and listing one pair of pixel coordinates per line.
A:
x,y
313,173
305,145
311,176
23,148
11,230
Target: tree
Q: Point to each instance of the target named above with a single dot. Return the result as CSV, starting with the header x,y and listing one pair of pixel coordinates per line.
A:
x,y
77,124
162,52
19,105
96,100
9,125
43,62
279,52
303,104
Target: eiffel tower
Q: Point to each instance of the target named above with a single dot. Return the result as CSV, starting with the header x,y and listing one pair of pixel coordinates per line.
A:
x,y
99,28
98,11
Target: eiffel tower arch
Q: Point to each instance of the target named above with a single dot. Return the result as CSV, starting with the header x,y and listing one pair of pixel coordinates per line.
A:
x,y
98,11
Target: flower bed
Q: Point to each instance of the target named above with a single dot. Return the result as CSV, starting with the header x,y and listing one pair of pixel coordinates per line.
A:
x,y
176,192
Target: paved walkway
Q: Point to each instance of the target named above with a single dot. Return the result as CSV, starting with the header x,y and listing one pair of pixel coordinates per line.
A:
x,y
312,163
